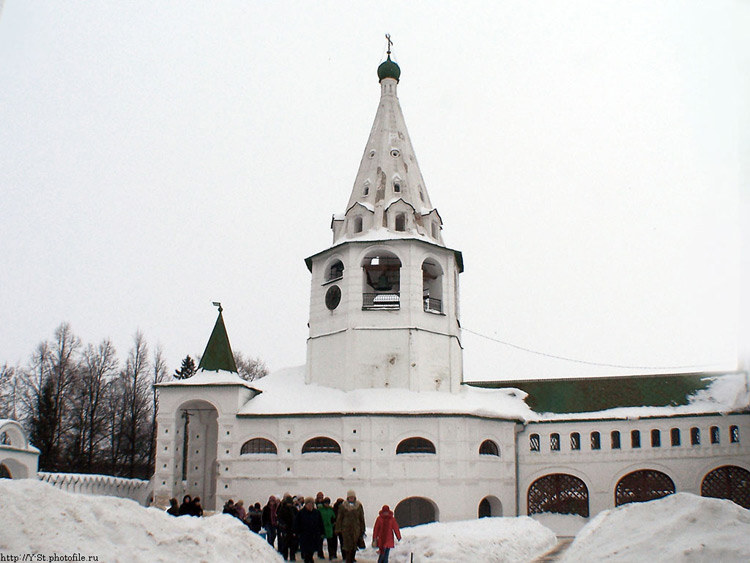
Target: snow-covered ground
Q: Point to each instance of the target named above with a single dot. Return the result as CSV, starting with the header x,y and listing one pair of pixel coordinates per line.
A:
x,y
38,519
680,527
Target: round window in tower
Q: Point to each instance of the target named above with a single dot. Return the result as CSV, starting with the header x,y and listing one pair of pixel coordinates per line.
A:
x,y
333,297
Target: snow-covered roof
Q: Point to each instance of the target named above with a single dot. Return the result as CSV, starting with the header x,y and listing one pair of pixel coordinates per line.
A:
x,y
205,377
285,393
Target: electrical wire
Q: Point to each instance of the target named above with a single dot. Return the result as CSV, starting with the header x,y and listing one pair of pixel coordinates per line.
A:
x,y
574,360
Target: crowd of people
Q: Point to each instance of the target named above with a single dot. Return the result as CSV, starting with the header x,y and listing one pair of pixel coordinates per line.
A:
x,y
307,525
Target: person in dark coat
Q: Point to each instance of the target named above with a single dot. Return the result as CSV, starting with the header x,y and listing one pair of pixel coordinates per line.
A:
x,y
229,508
382,533
269,519
196,508
174,508
254,518
187,506
287,538
309,528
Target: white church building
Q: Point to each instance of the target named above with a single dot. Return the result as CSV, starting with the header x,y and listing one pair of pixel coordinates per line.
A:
x,y
382,407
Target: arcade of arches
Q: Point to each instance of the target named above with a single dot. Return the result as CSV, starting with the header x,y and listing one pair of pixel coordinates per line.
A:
x,y
566,494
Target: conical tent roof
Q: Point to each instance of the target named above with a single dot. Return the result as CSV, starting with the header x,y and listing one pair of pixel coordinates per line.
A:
x,y
218,354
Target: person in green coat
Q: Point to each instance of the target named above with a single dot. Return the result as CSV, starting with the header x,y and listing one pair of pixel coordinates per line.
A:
x,y
329,520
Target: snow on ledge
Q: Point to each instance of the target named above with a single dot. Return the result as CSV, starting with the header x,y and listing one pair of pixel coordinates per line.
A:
x,y
205,377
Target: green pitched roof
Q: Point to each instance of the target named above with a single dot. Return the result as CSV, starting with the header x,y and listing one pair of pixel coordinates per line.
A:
x,y
593,394
218,354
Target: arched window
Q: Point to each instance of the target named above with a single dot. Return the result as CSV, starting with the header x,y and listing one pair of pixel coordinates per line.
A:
x,y
381,283
695,436
5,472
488,447
615,437
575,441
596,441
358,224
655,438
397,186
321,445
559,493
674,435
432,286
642,486
258,446
401,222
534,443
715,435
635,438
734,435
5,439
415,446
554,442
730,482
335,271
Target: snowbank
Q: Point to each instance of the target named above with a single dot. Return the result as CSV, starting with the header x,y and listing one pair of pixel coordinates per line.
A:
x,y
38,518
488,539
680,527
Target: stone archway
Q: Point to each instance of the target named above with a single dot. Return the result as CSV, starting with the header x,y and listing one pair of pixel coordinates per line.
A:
x,y
490,507
642,486
196,449
729,482
414,511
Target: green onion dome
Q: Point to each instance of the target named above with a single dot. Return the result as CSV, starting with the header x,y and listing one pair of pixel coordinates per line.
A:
x,y
388,69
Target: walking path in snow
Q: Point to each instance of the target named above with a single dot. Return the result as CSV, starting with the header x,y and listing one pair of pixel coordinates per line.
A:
x,y
554,554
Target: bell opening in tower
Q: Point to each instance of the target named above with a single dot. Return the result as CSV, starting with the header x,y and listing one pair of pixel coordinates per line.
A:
x,y
381,274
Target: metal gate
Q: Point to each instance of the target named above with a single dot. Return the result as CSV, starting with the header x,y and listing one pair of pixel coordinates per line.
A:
x,y
729,482
560,493
642,486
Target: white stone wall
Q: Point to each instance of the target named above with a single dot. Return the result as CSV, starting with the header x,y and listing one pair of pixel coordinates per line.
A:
x,y
456,478
351,348
601,470
17,455
210,440
134,489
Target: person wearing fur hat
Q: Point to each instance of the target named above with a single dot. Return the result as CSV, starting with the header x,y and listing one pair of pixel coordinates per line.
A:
x,y
382,534
350,523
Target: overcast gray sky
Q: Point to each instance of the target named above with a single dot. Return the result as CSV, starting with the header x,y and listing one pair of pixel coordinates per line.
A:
x,y
590,160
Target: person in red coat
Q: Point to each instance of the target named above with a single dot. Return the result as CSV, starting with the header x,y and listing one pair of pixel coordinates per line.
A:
x,y
382,534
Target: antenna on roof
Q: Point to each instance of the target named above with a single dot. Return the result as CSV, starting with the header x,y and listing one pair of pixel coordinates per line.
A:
x,y
390,43
217,304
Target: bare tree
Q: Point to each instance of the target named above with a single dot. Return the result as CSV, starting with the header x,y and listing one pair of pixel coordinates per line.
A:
x,y
159,373
88,413
47,382
8,392
250,368
137,405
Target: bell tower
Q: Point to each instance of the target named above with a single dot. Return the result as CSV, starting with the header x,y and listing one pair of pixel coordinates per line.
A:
x,y
384,298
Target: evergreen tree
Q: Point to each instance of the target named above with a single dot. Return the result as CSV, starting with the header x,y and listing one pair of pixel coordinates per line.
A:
x,y
187,369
